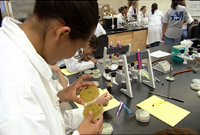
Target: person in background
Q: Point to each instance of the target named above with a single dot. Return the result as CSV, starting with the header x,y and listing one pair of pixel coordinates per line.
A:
x,y
142,16
132,12
126,10
82,59
99,30
121,19
173,21
154,36
176,131
29,102
190,21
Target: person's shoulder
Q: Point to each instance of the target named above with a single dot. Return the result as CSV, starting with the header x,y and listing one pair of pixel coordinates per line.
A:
x,y
181,7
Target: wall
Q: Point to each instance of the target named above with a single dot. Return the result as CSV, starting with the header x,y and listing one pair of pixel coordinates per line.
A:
x,y
163,5
114,4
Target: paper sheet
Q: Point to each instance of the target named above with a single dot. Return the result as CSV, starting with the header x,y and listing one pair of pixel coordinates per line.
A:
x,y
66,72
112,103
165,111
159,54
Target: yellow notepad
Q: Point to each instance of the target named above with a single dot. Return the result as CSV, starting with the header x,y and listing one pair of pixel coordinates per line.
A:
x,y
165,111
112,103
66,72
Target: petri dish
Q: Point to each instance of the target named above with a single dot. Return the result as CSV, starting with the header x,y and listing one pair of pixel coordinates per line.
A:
x,y
142,115
88,71
89,94
96,108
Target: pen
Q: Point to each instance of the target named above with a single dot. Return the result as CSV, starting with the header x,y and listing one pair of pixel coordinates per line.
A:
x,y
119,109
157,80
127,109
167,97
158,103
80,74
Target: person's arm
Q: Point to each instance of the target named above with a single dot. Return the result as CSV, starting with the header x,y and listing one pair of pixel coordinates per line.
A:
x,y
76,65
60,76
104,99
163,30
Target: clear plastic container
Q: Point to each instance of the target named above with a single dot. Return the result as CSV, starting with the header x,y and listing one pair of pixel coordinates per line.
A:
x,y
142,115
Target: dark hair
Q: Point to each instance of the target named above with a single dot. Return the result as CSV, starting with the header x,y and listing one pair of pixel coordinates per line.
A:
x,y
182,3
142,8
80,16
174,4
154,6
94,42
176,131
125,7
134,2
121,9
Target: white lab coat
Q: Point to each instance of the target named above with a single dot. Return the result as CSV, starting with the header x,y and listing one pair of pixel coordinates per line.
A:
x,y
120,19
142,18
28,99
99,30
76,65
130,13
155,27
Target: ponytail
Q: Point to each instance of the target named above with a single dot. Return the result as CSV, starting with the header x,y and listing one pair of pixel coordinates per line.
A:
x,y
154,6
174,4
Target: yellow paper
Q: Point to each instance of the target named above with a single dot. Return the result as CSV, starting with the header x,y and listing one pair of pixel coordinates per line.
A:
x,y
165,111
112,103
66,72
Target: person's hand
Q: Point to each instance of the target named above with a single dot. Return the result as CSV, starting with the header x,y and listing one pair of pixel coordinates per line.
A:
x,y
86,58
162,38
88,126
93,59
104,99
55,68
70,93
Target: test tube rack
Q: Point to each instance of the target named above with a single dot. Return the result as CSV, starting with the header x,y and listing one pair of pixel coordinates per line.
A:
x,y
131,58
124,49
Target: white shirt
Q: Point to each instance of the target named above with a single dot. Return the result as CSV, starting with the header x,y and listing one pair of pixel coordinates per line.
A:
x,y
130,13
29,103
76,65
142,18
99,30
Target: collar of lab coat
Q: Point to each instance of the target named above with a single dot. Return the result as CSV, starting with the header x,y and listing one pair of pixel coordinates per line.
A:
x,y
19,37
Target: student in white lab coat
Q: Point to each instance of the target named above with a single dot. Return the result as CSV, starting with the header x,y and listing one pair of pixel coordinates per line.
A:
x,y
132,12
122,16
142,16
29,102
154,36
82,59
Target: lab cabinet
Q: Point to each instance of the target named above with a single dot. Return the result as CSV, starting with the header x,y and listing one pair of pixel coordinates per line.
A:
x,y
137,39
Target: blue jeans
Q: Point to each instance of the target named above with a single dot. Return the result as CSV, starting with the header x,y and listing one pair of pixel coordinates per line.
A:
x,y
155,44
172,41
184,34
